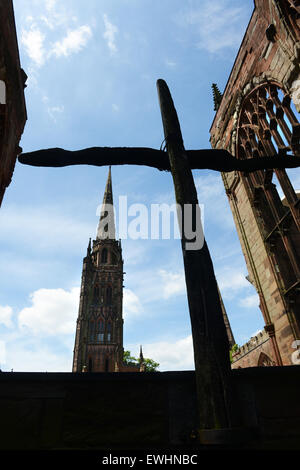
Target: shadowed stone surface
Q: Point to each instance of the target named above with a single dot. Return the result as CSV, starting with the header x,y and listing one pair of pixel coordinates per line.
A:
x,y
140,411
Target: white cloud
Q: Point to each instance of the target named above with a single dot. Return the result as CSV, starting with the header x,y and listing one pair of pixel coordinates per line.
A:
x,y
249,301
33,41
29,19
177,355
34,38
47,225
211,194
53,312
48,21
172,283
54,110
170,63
152,285
73,42
50,4
2,353
5,316
216,25
35,357
231,280
109,34
134,252
209,186
131,303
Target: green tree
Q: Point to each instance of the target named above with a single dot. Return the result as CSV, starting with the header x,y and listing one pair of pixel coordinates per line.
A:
x,y
128,359
234,349
150,364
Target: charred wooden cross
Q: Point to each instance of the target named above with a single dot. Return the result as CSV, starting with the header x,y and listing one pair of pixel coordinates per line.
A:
x,y
211,348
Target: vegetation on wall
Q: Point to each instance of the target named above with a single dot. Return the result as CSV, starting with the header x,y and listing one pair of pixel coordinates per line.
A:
x,y
234,349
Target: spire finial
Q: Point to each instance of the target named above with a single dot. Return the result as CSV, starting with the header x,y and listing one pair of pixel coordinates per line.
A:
x,y
89,248
141,361
217,96
141,355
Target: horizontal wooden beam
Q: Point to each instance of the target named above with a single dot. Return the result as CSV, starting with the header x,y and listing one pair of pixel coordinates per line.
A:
x,y
211,159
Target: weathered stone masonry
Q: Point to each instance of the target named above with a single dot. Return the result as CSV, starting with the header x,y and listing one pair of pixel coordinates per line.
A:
x,y
99,330
12,102
256,118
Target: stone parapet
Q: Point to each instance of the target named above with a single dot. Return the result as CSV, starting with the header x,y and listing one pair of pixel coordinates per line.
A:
x,y
253,343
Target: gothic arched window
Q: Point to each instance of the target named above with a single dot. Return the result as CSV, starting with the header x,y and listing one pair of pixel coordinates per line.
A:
x,y
2,92
91,331
264,360
268,126
2,109
96,294
100,331
108,331
113,258
90,365
108,295
104,256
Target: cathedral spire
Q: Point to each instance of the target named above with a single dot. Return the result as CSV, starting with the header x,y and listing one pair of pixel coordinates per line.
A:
x,y
141,361
106,227
89,249
108,196
141,355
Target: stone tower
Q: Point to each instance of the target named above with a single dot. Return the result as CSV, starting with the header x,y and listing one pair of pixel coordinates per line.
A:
x,y
99,332
255,117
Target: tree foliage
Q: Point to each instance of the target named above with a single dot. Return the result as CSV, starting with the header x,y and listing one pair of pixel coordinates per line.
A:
x,y
150,364
234,349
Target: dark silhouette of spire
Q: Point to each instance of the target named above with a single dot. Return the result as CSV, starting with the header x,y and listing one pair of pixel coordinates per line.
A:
x,y
217,96
89,249
141,355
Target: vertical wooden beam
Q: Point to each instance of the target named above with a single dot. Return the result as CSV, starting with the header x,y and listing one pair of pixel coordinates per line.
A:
x,y
211,347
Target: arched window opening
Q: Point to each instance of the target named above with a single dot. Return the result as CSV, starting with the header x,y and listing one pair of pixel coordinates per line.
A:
x,y
104,256
264,360
92,331
268,118
106,365
113,258
108,332
2,92
96,295
268,126
108,295
100,331
3,113
90,365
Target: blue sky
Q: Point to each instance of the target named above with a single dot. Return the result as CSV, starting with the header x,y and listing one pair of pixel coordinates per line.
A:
x,y
92,68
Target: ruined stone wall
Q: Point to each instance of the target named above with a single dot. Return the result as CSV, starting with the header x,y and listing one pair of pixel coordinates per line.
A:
x,y
268,56
156,410
12,101
257,351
